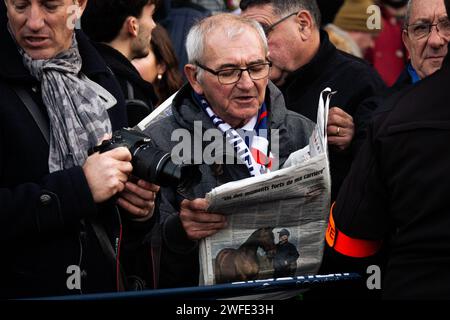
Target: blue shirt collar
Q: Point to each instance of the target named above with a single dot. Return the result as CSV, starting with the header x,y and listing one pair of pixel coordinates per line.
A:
x,y
413,74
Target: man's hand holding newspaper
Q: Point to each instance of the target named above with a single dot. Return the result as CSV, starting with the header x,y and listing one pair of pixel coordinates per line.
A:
x,y
197,221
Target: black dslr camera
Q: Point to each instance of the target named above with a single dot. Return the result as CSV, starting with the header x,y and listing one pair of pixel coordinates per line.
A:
x,y
151,164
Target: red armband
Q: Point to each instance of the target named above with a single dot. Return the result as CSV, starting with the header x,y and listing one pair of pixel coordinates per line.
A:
x,y
352,247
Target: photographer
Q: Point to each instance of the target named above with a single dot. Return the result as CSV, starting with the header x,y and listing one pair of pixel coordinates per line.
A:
x,y
58,220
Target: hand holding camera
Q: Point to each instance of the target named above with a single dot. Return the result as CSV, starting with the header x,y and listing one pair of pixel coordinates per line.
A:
x,y
138,198
151,164
107,173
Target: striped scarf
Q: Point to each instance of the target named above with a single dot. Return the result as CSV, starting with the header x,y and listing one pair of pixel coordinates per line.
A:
x,y
255,157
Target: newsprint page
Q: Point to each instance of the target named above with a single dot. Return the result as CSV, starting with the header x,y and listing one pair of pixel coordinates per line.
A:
x,y
293,201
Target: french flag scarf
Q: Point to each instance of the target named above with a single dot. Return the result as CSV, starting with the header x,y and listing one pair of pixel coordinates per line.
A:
x,y
253,152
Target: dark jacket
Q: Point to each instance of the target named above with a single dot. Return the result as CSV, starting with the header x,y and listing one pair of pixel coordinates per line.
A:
x,y
352,78
397,189
179,261
366,109
45,219
135,89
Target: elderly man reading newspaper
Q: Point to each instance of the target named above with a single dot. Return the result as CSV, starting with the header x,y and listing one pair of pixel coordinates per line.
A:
x,y
223,119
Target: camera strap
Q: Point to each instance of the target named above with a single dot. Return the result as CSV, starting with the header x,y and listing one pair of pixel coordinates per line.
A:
x,y
109,251
35,111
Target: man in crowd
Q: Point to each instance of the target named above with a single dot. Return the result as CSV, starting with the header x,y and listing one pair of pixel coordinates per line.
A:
x,y
305,62
59,220
122,31
394,196
426,34
229,93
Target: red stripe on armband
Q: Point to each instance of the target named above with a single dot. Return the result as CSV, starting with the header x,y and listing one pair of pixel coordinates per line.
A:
x,y
352,247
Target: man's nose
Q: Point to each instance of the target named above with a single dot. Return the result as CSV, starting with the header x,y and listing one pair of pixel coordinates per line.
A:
x,y
36,19
435,39
245,81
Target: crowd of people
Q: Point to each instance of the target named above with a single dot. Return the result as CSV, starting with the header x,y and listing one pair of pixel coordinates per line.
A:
x,y
78,221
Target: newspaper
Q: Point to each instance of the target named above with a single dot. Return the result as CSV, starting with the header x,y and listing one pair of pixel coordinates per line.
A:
x,y
292,201
163,110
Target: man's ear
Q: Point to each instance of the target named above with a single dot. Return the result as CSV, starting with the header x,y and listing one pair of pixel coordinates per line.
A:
x,y
192,76
305,24
131,25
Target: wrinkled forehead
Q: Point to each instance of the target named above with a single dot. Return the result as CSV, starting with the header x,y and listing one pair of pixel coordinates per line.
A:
x,y
427,11
222,42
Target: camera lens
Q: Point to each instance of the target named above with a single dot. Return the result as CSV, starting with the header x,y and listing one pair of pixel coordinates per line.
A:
x,y
148,163
156,166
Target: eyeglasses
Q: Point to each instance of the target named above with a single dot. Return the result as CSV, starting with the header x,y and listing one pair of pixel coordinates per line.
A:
x,y
268,29
232,75
422,30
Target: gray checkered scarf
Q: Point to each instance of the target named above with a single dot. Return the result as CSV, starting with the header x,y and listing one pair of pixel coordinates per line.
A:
x,y
76,107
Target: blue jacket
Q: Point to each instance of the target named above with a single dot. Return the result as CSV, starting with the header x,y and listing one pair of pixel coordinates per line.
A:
x,y
181,17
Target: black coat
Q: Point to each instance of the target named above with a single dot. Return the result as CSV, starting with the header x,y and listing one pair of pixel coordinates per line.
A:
x,y
366,109
398,187
135,89
352,78
40,213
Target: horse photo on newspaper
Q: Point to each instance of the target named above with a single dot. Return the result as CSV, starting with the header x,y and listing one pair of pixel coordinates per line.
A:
x,y
244,263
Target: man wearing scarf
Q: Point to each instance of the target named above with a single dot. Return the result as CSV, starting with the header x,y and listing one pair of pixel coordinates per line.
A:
x,y
228,93
59,207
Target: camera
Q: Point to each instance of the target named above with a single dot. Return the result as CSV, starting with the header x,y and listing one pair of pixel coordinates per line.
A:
x,y
150,163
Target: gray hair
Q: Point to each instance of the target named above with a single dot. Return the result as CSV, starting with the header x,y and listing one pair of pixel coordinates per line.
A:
x,y
408,13
286,7
231,25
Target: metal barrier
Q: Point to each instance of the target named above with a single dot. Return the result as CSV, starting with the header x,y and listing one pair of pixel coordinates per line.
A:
x,y
222,291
